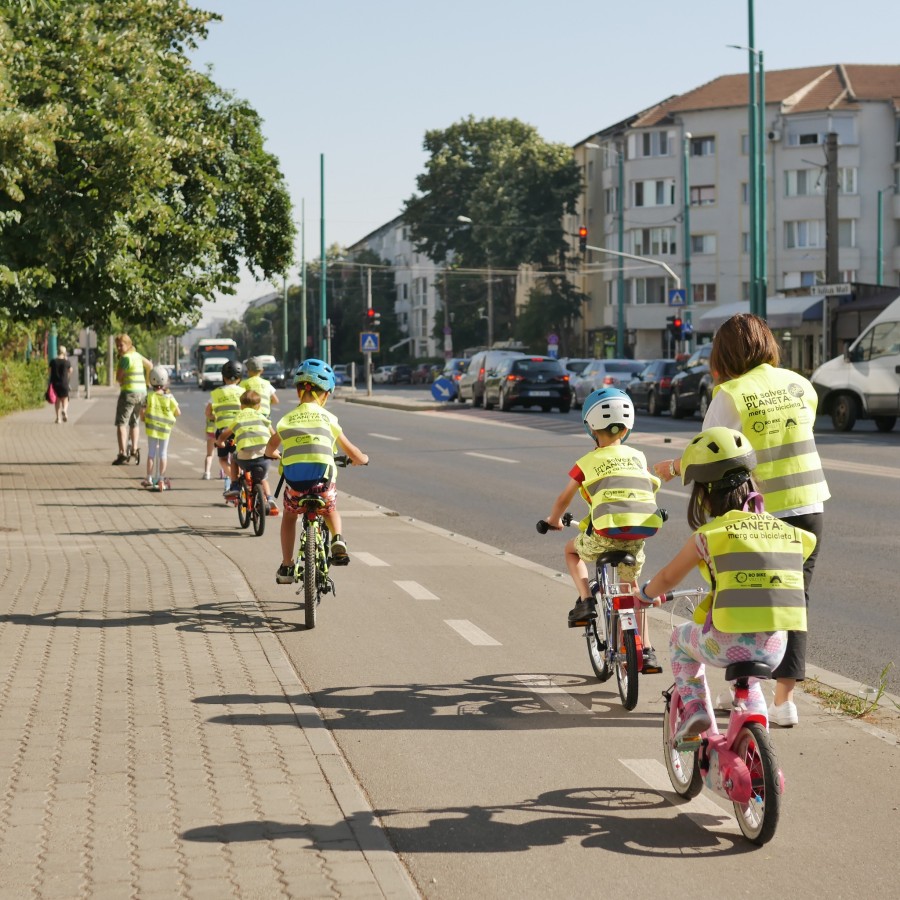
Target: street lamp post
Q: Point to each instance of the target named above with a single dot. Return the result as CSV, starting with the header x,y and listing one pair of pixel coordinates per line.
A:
x,y
880,257
686,222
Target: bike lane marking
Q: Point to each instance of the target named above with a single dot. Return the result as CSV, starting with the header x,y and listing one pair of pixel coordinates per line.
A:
x,y
653,773
415,590
472,633
557,698
368,559
494,458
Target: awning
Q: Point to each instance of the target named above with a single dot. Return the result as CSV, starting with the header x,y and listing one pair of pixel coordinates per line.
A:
x,y
781,312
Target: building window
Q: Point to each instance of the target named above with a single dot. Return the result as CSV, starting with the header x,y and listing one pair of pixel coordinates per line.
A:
x,y
703,195
704,293
703,243
745,144
703,146
847,180
611,200
649,290
654,241
654,192
847,233
649,143
809,182
804,234
745,242
803,279
745,193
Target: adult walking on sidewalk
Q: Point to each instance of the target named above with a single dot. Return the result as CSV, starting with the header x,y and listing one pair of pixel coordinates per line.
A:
x,y
776,409
59,381
132,372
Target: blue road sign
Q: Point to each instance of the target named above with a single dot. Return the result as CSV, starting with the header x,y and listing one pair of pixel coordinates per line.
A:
x,y
368,341
677,297
443,389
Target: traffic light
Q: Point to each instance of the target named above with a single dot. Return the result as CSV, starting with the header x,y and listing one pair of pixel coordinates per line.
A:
x,y
371,318
676,324
582,239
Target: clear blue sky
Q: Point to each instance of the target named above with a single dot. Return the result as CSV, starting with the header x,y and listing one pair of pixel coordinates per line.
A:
x,y
361,81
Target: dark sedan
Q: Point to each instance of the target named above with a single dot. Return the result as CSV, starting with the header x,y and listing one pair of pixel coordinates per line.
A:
x,y
528,381
650,388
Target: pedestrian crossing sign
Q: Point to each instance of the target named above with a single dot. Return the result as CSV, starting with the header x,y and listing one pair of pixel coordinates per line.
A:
x,y
368,341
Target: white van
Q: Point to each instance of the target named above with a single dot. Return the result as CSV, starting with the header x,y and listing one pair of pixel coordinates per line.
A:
x,y
864,383
210,376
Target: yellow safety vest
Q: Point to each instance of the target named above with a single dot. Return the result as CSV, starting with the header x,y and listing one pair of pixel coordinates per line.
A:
x,y
778,411
308,437
621,493
264,388
159,415
132,363
251,433
226,403
756,572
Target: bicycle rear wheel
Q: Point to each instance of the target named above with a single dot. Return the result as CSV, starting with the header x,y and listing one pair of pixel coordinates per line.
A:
x,y
626,666
682,765
758,818
258,510
243,507
310,591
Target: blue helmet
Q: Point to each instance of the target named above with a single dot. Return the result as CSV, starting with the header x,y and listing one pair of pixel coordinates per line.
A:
x,y
316,372
605,407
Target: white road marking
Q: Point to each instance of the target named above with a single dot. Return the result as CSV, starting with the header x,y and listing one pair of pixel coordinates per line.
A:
x,y
415,590
555,697
653,773
384,437
472,633
495,458
368,559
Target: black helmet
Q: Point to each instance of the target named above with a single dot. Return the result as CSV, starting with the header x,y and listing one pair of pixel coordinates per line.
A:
x,y
232,370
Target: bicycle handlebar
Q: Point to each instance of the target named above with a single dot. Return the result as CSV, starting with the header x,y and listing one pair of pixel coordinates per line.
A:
x,y
543,527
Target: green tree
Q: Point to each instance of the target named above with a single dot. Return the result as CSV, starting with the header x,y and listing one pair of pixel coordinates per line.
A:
x,y
131,185
554,307
513,185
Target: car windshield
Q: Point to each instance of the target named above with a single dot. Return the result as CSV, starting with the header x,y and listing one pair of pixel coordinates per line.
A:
x,y
623,366
577,365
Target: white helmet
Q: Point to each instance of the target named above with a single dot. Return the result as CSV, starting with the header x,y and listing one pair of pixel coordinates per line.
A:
x,y
605,407
159,376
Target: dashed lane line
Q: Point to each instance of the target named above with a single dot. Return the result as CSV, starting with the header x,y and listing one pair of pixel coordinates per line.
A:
x,y
494,458
368,559
415,590
384,437
472,633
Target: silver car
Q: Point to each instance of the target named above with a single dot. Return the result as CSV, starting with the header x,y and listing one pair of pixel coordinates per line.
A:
x,y
599,373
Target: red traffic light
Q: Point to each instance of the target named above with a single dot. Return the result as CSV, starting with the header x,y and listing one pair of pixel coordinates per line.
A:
x,y
677,322
582,239
370,313
582,232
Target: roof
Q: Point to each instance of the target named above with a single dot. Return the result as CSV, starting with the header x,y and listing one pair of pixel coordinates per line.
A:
x,y
811,89
781,312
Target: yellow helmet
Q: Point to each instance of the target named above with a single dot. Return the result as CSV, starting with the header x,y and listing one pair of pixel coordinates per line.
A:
x,y
716,453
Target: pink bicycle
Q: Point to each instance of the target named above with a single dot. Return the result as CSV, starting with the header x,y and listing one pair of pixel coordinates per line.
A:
x,y
739,765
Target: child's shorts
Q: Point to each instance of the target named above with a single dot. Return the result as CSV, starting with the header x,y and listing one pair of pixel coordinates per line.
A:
x,y
323,489
590,546
257,467
228,449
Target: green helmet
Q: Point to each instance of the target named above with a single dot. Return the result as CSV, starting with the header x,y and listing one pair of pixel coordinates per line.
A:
x,y
716,454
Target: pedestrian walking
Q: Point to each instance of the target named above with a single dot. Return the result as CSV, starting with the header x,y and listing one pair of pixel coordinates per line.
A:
x,y
59,382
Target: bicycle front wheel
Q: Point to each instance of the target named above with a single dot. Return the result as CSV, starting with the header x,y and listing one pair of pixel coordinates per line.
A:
x,y
682,765
310,593
626,666
758,818
243,507
258,509
597,653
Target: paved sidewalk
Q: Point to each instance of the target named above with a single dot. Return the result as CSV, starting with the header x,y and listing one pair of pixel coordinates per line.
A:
x,y
139,685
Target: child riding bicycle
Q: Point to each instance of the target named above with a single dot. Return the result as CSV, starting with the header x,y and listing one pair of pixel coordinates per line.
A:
x,y
753,563
617,485
307,437
224,404
250,433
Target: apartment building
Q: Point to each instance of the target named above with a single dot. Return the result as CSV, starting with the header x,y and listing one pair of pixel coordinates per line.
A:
x,y
689,154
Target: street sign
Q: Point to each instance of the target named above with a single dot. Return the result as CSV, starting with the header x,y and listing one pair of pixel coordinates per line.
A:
x,y
443,389
677,297
831,290
368,341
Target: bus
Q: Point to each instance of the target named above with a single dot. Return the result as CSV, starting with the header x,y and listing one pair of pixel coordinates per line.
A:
x,y
225,348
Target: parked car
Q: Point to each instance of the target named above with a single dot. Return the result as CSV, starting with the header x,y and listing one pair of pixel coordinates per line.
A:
x,y
527,381
274,372
453,370
471,385
422,374
600,373
692,386
382,375
401,374
650,389
574,365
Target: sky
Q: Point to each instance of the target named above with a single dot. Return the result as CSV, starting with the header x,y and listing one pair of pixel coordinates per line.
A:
x,y
359,82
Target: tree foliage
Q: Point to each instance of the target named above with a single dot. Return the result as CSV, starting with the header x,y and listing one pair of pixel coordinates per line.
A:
x,y
131,185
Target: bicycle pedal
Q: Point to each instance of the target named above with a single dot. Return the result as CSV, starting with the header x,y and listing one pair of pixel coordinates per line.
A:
x,y
339,561
691,742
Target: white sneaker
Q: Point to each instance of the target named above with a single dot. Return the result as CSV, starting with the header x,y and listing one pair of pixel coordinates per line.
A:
x,y
784,715
205,476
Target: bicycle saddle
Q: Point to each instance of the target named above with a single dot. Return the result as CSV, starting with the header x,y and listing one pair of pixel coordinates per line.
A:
x,y
747,669
615,558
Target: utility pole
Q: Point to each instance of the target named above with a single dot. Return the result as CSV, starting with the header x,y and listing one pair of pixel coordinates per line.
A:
x,y
832,266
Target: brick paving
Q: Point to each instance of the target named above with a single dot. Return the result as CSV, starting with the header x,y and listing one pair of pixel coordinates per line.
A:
x,y
140,691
